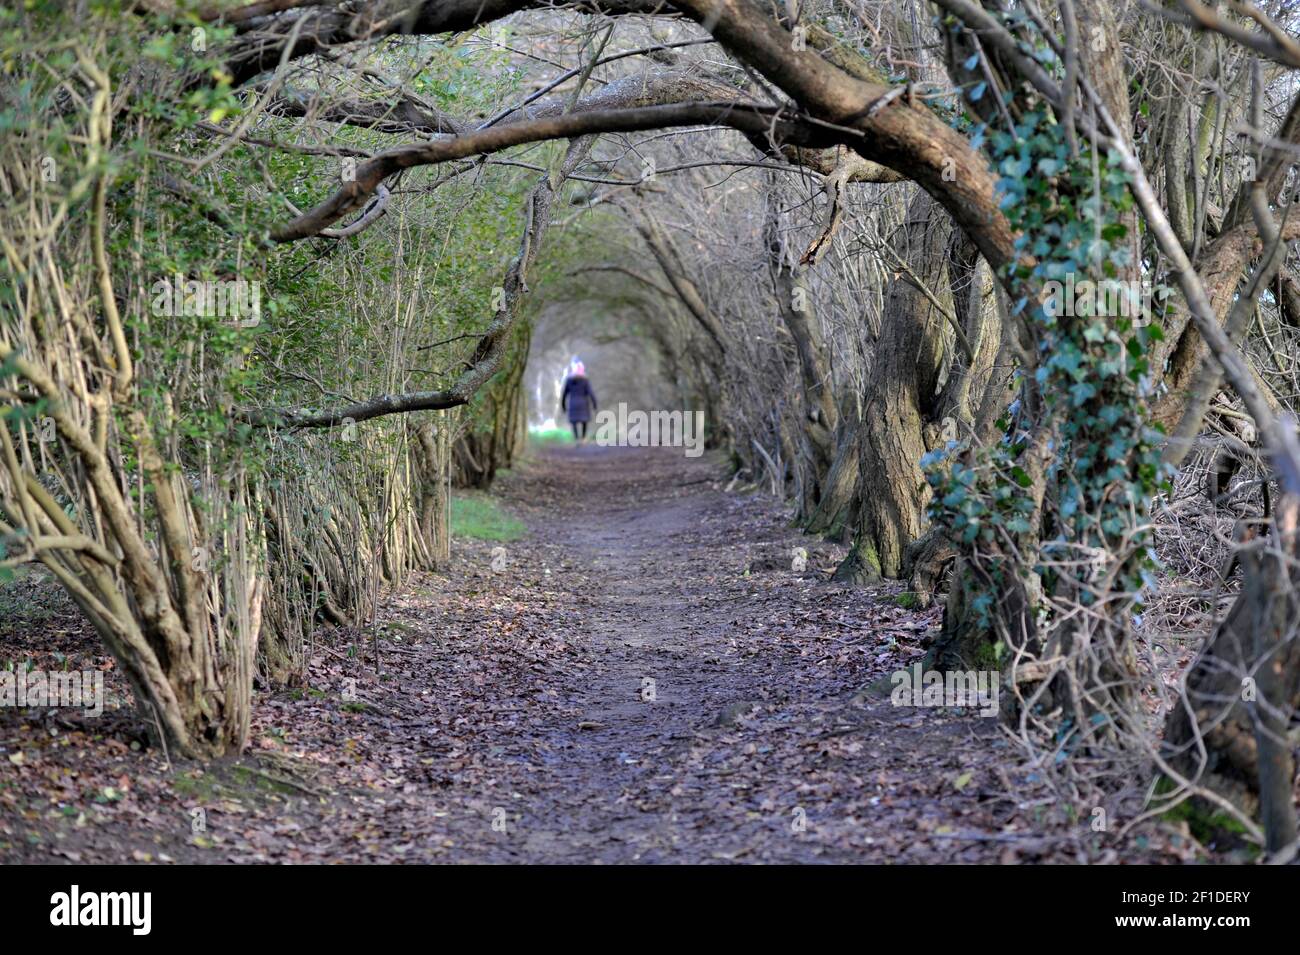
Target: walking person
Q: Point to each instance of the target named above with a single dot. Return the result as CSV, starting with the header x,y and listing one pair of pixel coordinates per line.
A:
x,y
579,399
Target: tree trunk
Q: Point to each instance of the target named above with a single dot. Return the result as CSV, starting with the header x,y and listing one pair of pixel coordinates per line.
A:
x,y
817,414
1228,733
434,477
901,388
836,512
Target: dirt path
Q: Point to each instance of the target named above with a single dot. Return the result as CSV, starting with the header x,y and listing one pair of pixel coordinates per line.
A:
x,y
645,698
645,679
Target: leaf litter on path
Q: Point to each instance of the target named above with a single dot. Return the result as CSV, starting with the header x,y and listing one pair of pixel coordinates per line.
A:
x,y
648,679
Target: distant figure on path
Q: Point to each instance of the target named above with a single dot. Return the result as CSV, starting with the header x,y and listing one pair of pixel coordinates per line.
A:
x,y
579,400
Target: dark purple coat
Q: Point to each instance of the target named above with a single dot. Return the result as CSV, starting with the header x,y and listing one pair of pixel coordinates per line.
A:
x,y
578,398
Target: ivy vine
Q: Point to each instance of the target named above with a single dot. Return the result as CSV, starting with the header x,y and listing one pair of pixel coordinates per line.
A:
x,y
1090,381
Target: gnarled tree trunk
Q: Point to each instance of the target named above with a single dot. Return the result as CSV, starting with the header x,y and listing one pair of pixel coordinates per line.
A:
x,y
1228,732
901,391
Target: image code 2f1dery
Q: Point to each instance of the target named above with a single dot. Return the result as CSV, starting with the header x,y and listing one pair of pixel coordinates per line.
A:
x,y
1197,897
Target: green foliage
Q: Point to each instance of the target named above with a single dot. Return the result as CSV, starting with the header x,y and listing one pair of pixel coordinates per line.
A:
x,y
483,518
443,251
1209,824
1089,375
551,436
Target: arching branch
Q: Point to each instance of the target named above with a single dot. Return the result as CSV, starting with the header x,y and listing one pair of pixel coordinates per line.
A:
x,y
757,120
266,29
493,343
